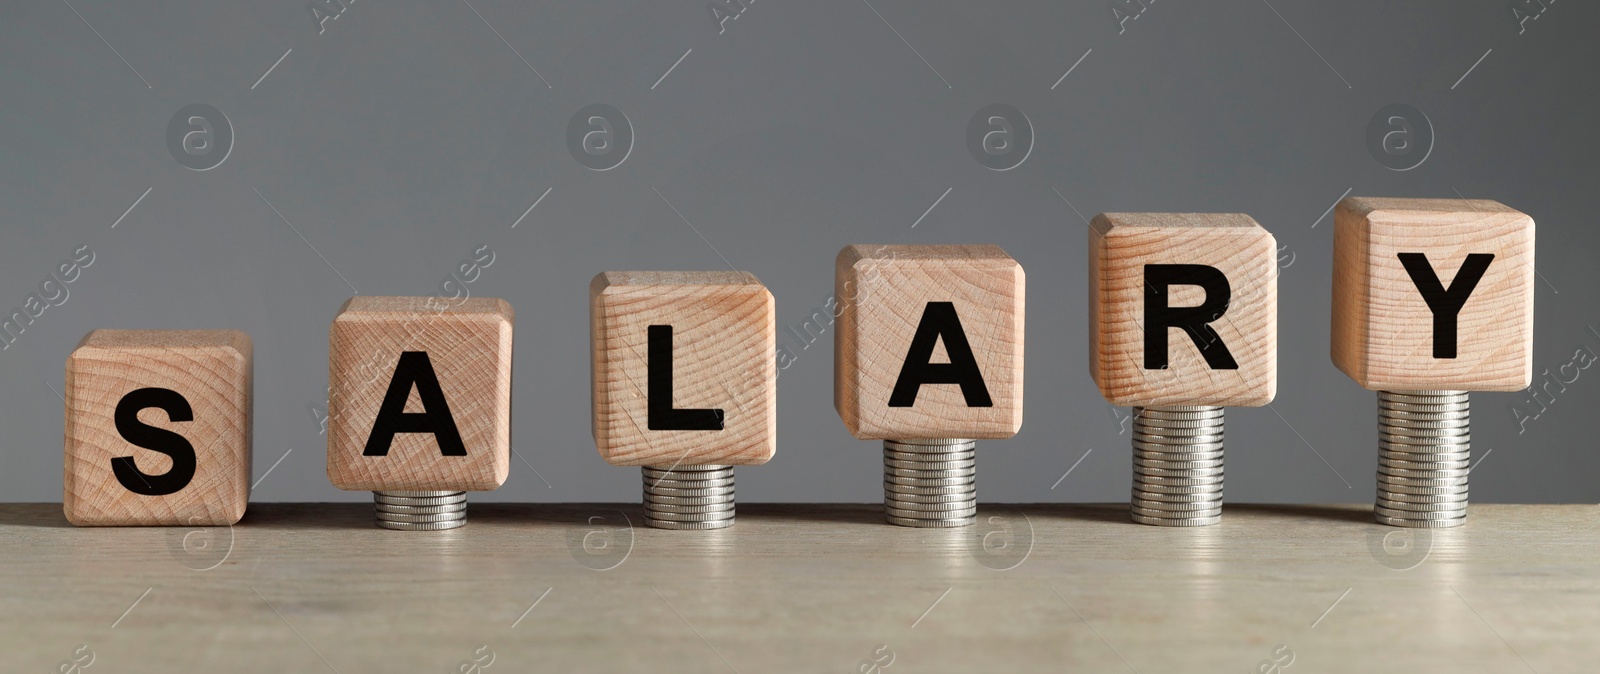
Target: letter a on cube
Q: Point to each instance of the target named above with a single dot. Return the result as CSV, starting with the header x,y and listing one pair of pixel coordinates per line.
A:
x,y
928,342
420,394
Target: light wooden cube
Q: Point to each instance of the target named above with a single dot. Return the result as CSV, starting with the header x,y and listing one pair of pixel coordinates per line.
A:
x,y
905,304
158,428
450,361
1142,267
1384,331
720,330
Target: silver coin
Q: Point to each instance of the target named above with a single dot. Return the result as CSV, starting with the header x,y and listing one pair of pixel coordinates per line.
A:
x,y
1423,465
380,498
1427,456
1159,455
1154,436
421,526
931,523
1174,412
1163,481
1192,490
1451,506
1177,506
1140,447
421,510
928,491
688,500
963,504
929,514
1177,465
930,456
1206,497
968,498
1177,522
689,517
1185,514
1419,524
685,469
668,510
1190,473
420,494
1415,515
439,517
1414,474
1422,491
931,465
714,492
670,524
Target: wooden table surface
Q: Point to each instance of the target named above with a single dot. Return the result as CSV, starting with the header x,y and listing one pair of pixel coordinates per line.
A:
x,y
804,588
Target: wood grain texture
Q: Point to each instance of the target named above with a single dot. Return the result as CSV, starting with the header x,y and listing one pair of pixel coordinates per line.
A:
x,y
724,334
1120,245
468,343
882,293
212,370
1382,327
806,588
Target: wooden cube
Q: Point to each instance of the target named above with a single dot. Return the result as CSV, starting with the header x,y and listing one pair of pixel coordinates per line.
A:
x,y
1183,309
1433,294
684,368
420,394
928,343
158,428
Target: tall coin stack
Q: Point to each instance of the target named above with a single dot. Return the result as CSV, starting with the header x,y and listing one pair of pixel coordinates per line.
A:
x,y
930,483
688,497
420,510
1424,443
1177,465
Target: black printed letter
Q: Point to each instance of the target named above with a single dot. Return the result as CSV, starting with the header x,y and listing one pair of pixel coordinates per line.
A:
x,y
155,439
416,370
658,371
1195,321
1445,304
939,322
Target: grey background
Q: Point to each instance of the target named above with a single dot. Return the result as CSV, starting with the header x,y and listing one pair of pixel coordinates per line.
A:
x,y
406,135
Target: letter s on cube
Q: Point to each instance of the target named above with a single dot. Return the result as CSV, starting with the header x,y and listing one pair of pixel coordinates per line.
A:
x,y
158,428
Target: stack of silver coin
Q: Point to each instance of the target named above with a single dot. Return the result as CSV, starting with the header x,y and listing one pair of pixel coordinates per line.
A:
x,y
930,483
1177,465
688,497
420,510
1424,442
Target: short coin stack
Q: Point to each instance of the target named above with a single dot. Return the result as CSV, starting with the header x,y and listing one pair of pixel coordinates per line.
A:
x,y
930,483
688,497
420,510
1424,443
1177,465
